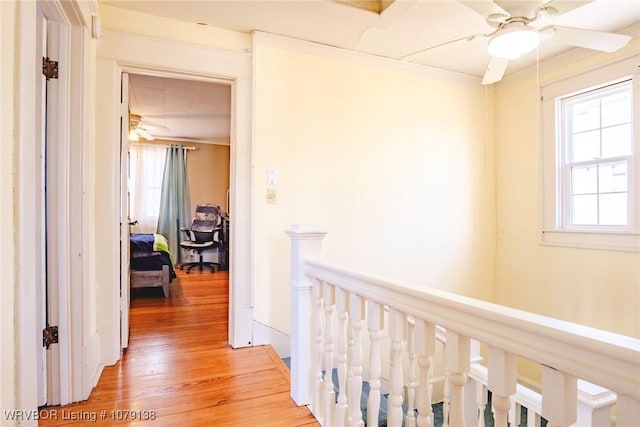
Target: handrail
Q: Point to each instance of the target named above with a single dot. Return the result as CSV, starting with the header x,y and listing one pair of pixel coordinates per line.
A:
x,y
608,359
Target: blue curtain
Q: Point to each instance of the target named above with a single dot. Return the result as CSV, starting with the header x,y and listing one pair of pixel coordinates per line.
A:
x,y
175,208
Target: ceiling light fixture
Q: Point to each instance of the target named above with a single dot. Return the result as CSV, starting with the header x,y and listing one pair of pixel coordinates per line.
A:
x,y
513,41
133,136
136,130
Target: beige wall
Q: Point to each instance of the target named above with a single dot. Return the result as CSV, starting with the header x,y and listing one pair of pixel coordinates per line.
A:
x,y
208,175
592,287
397,165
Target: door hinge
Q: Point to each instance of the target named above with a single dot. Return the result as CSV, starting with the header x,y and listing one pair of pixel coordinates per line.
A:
x,y
49,336
49,68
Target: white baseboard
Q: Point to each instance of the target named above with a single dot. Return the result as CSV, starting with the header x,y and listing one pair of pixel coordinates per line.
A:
x,y
263,334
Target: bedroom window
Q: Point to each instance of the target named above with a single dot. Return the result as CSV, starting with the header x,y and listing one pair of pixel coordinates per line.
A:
x,y
590,159
146,167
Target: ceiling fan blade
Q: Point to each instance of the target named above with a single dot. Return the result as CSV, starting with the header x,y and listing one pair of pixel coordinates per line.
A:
x,y
563,6
154,127
485,7
143,133
495,70
597,40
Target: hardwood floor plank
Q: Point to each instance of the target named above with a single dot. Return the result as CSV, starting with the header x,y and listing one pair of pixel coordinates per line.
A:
x,y
180,371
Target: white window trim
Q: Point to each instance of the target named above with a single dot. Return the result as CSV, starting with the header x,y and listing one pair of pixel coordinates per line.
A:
x,y
607,239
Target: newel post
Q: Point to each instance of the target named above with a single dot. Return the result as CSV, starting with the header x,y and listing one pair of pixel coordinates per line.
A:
x,y
306,243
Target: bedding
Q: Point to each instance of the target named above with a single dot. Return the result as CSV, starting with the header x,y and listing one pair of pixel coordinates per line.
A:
x,y
150,252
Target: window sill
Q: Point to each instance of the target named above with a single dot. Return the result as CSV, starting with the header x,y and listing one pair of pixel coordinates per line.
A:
x,y
593,239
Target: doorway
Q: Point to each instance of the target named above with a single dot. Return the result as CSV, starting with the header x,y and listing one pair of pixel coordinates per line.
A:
x,y
129,53
165,111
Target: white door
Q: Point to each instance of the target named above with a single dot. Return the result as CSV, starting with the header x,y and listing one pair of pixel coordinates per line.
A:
x,y
40,231
49,270
124,212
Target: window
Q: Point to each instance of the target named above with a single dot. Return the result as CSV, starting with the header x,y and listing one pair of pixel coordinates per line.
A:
x,y
596,155
146,168
590,159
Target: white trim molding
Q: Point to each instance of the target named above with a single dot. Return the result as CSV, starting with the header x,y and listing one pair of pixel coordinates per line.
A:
x,y
614,241
133,53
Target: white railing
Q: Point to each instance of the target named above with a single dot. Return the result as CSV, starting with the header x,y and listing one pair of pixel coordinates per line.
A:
x,y
322,295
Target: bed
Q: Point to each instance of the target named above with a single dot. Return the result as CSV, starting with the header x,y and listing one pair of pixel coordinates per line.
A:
x,y
151,262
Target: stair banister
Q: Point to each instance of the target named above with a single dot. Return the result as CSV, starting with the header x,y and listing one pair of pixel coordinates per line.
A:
x,y
565,350
601,357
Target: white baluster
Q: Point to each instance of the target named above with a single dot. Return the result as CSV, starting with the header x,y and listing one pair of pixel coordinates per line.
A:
x,y
457,355
481,396
628,411
559,397
533,419
594,406
329,397
356,315
514,413
342,407
425,335
470,393
502,382
397,333
410,418
317,382
349,362
446,398
375,319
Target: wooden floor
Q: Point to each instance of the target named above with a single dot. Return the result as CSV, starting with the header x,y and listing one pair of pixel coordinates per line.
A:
x,y
180,371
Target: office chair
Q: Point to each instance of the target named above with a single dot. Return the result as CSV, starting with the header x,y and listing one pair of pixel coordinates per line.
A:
x,y
204,234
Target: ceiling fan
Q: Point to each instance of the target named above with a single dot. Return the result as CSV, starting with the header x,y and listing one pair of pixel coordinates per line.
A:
x,y
514,35
138,129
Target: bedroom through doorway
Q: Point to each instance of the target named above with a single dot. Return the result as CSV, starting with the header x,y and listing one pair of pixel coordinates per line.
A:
x,y
177,123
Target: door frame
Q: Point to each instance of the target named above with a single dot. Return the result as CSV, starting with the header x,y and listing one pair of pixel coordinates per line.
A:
x,y
74,20
134,54
125,228
73,371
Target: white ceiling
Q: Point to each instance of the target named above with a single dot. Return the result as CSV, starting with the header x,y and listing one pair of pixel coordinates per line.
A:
x,y
187,110
403,28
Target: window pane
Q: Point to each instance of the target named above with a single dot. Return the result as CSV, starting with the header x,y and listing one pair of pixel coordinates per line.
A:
x,y
613,177
599,127
586,115
584,210
613,209
616,108
584,179
585,146
616,141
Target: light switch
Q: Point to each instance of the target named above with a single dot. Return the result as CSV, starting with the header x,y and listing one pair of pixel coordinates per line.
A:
x,y
272,177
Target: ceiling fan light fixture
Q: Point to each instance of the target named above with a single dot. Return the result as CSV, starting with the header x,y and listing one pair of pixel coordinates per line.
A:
x,y
136,130
133,136
513,42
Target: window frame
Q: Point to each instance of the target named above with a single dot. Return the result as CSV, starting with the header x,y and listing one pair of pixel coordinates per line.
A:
x,y
555,229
